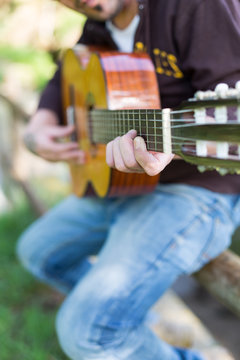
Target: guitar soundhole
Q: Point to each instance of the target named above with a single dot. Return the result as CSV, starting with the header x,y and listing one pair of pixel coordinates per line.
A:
x,y
90,104
71,114
93,147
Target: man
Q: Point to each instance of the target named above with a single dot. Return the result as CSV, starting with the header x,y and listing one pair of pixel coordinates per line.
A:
x,y
143,243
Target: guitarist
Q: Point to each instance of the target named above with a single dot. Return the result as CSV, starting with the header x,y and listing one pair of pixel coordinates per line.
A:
x,y
143,243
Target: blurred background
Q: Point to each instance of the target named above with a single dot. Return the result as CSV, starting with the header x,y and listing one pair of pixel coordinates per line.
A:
x,y
33,35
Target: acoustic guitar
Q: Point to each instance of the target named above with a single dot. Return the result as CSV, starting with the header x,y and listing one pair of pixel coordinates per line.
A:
x,y
107,93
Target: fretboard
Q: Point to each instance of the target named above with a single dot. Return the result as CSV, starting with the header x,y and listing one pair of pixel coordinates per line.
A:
x,y
108,124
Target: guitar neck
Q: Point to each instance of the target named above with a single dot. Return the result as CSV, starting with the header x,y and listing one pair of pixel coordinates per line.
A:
x,y
170,132
105,125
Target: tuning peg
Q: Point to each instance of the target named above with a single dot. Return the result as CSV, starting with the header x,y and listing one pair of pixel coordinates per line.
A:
x,y
221,90
205,95
199,95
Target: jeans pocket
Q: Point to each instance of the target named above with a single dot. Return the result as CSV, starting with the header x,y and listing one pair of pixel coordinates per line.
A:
x,y
219,241
187,245
208,234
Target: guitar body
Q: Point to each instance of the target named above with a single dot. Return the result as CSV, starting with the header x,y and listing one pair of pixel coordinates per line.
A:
x,y
105,80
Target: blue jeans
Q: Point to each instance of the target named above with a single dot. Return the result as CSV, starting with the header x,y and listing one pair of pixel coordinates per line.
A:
x,y
143,244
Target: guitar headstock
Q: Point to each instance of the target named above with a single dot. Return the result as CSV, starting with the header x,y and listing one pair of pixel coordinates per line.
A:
x,y
220,96
211,132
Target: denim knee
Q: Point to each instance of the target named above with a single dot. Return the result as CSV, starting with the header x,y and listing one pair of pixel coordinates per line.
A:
x,y
29,251
23,251
94,319
79,336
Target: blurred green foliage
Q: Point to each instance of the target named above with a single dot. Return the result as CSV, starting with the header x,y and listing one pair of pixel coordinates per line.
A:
x,y
27,309
33,46
38,63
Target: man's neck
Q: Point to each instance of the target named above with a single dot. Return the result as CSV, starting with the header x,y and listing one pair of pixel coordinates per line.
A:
x,y
128,12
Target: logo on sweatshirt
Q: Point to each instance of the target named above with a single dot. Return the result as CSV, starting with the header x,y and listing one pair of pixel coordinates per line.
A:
x,y
165,63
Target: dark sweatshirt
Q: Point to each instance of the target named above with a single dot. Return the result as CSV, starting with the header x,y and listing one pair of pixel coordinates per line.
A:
x,y
194,44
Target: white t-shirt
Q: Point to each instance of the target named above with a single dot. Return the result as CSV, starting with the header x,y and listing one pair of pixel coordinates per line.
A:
x,y
124,38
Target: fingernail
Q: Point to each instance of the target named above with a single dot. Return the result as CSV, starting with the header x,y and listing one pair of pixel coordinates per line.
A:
x,y
139,143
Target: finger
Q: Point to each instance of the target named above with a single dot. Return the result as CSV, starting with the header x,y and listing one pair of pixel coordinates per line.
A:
x,y
55,151
163,158
127,151
60,131
153,163
117,156
55,147
109,155
75,157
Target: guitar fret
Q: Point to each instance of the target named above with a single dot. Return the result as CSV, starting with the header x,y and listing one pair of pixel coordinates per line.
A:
x,y
124,125
155,130
149,128
111,124
120,123
147,139
139,121
130,118
166,131
115,127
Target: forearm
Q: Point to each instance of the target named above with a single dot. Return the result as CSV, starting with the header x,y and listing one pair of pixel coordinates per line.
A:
x,y
43,117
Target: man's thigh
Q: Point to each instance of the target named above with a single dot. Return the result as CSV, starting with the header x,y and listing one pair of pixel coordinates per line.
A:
x,y
186,226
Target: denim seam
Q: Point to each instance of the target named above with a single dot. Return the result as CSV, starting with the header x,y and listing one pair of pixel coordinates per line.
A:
x,y
174,241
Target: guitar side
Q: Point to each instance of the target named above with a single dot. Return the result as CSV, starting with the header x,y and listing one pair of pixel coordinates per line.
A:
x,y
106,80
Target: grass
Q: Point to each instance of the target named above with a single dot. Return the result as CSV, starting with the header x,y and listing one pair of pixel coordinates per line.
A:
x,y
27,308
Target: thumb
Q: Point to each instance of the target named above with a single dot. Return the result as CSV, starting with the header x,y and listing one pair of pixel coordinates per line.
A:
x,y
61,131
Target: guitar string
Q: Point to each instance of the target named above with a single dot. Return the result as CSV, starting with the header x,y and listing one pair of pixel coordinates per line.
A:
x,y
132,113
185,143
185,150
184,121
182,144
149,111
107,118
102,133
159,143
